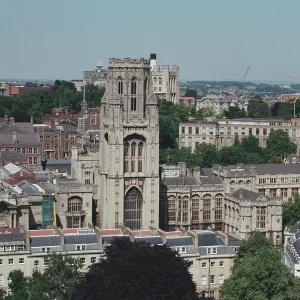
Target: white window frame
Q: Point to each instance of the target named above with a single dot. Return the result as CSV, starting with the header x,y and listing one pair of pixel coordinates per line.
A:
x,y
23,259
1,280
212,250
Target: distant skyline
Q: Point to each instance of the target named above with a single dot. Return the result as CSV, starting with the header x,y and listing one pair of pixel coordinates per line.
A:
x,y
208,39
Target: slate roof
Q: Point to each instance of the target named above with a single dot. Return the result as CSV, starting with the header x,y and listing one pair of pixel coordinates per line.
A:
x,y
206,172
294,228
66,127
22,138
180,181
179,241
11,155
152,240
78,239
208,238
247,194
21,127
58,161
275,169
109,238
45,241
211,180
7,239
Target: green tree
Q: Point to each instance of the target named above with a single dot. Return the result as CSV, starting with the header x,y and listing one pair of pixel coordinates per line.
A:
x,y
207,155
59,280
206,112
258,273
258,109
18,286
234,112
291,211
251,144
278,146
168,132
134,271
191,93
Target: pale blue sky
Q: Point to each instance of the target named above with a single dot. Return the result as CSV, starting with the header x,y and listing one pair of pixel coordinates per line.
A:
x,y
208,39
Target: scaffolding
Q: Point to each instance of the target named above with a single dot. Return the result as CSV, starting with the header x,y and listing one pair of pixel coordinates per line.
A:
x,y
48,211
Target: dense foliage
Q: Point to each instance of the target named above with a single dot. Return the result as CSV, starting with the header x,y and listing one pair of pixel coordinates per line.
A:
x,y
24,106
247,151
59,281
133,271
258,273
130,271
291,211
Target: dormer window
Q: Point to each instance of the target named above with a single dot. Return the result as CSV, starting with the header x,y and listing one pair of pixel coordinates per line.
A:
x,y
211,250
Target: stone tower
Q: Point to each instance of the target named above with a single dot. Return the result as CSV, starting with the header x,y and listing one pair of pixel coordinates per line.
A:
x,y
129,147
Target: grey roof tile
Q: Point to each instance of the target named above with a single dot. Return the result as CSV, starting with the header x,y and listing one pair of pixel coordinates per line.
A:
x,y
180,181
23,139
179,241
152,240
247,194
11,155
107,239
78,239
12,237
275,169
207,238
58,161
45,241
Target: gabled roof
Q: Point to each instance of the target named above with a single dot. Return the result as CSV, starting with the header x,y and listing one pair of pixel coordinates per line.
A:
x,y
244,194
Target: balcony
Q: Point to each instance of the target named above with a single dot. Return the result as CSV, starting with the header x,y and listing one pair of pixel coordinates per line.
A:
x,y
75,213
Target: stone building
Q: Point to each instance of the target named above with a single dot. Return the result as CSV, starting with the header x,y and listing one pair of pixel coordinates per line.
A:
x,y
223,198
96,77
165,81
20,137
222,132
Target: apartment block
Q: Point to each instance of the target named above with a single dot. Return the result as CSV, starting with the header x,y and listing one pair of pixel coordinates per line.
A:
x,y
222,132
211,253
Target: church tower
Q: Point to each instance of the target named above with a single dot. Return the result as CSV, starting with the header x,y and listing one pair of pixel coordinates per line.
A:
x,y
129,147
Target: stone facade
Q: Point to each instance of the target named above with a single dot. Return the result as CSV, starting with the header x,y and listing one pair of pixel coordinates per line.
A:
x,y
165,81
222,132
223,198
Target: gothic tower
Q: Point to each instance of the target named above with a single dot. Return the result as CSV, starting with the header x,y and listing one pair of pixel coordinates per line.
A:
x,y
129,147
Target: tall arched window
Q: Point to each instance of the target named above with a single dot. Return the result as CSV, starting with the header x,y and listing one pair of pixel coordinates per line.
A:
x,y
185,209
120,86
155,80
133,94
195,208
132,209
126,157
218,207
206,207
140,157
179,212
171,209
133,153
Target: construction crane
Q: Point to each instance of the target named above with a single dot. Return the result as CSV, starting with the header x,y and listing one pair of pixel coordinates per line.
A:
x,y
243,78
245,75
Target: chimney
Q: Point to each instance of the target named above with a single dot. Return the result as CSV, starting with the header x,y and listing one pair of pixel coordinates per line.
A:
x,y
31,120
6,118
12,120
14,135
152,60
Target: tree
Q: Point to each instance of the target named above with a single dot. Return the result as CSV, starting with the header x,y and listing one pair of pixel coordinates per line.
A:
x,y
206,112
191,93
278,146
251,144
18,286
258,273
207,155
291,211
234,112
258,109
133,271
168,132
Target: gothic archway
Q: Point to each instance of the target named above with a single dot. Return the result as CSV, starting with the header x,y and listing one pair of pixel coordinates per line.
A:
x,y
132,208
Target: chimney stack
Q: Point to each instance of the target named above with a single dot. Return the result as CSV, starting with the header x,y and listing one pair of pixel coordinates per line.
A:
x,y
152,60
31,120
14,134
12,120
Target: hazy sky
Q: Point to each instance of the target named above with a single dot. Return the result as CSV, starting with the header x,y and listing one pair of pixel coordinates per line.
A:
x,y
208,39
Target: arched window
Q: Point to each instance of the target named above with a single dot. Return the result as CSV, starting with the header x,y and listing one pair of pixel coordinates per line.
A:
x,y
140,152
179,212
185,209
171,209
133,94
126,149
75,204
132,209
126,157
160,80
120,86
133,86
133,149
140,157
206,207
195,208
155,80
218,207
